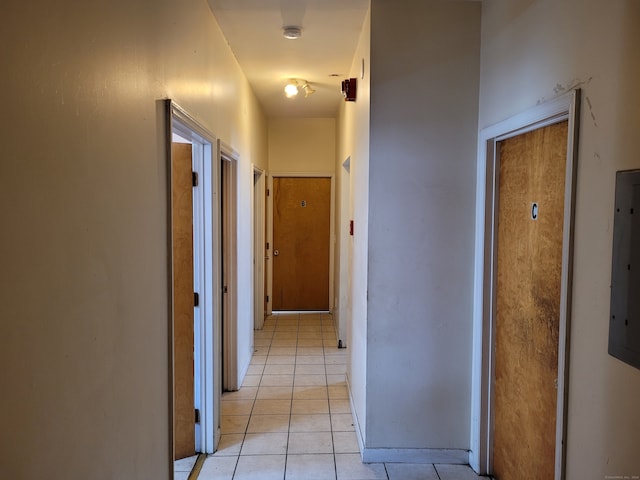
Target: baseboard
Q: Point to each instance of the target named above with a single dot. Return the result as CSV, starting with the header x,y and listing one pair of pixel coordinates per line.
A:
x,y
415,455
354,416
242,372
404,455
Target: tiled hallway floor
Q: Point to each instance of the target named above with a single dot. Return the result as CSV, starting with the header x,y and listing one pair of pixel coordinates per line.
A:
x,y
291,420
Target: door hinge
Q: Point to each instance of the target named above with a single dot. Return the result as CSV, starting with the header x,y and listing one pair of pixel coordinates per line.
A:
x,y
225,289
197,415
268,192
266,298
267,246
196,299
194,179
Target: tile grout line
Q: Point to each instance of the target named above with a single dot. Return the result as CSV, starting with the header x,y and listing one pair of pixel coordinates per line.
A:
x,y
437,472
246,430
286,455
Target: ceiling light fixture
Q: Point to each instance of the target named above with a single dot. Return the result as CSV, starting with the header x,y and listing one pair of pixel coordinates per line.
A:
x,y
291,32
308,90
294,85
291,88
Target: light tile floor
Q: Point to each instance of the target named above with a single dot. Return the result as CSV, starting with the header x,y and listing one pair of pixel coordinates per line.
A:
x,y
291,420
182,468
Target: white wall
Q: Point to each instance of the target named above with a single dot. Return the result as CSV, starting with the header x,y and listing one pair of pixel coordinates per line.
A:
x,y
83,202
424,102
531,51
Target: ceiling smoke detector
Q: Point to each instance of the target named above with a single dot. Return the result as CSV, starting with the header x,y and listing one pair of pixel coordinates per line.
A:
x,y
292,32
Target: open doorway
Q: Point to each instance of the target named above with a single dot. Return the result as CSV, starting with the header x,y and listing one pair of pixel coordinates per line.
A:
x,y
343,302
194,282
261,249
229,212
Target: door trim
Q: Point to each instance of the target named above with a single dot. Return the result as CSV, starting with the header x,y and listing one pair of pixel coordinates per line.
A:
x,y
332,233
259,251
228,159
562,108
342,308
207,350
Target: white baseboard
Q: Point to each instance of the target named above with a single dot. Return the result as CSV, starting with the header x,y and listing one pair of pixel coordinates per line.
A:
x,y
415,455
354,416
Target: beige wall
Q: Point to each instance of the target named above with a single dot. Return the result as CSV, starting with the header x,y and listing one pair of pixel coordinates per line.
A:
x,y
83,202
424,102
302,145
411,136
532,51
353,135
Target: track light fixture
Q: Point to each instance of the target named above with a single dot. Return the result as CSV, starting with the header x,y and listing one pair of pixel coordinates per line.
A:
x,y
308,90
292,87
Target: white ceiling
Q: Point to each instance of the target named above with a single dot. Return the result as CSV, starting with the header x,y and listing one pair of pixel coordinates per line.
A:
x,y
330,32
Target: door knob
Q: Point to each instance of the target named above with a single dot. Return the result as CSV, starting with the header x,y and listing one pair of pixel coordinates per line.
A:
x,y
276,253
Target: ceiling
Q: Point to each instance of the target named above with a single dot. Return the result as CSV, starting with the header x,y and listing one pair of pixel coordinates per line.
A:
x,y
322,55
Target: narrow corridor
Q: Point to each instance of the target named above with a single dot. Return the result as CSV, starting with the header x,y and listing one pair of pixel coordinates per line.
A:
x,y
291,420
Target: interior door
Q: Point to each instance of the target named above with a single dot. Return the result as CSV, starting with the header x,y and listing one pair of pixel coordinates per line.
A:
x,y
301,231
229,275
529,267
183,299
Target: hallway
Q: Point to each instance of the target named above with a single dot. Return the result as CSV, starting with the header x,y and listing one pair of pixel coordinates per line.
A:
x,y
291,420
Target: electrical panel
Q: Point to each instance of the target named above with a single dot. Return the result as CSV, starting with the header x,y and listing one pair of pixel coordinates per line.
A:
x,y
624,320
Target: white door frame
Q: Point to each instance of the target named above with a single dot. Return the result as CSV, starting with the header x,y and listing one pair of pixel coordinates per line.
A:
x,y
332,234
562,108
259,257
228,160
207,276
343,302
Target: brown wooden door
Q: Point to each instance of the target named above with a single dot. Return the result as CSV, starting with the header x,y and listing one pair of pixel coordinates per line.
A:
x,y
301,229
532,170
183,342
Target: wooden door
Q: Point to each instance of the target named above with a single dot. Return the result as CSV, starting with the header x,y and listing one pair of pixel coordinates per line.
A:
x,y
301,229
529,267
183,342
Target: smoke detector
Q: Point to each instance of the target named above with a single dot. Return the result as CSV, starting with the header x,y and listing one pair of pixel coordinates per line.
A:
x,y
292,32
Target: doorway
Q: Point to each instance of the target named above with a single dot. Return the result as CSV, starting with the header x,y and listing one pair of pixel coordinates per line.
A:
x,y
229,213
194,280
343,302
526,178
260,249
302,219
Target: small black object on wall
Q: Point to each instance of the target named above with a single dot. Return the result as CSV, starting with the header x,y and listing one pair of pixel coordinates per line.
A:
x,y
349,87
